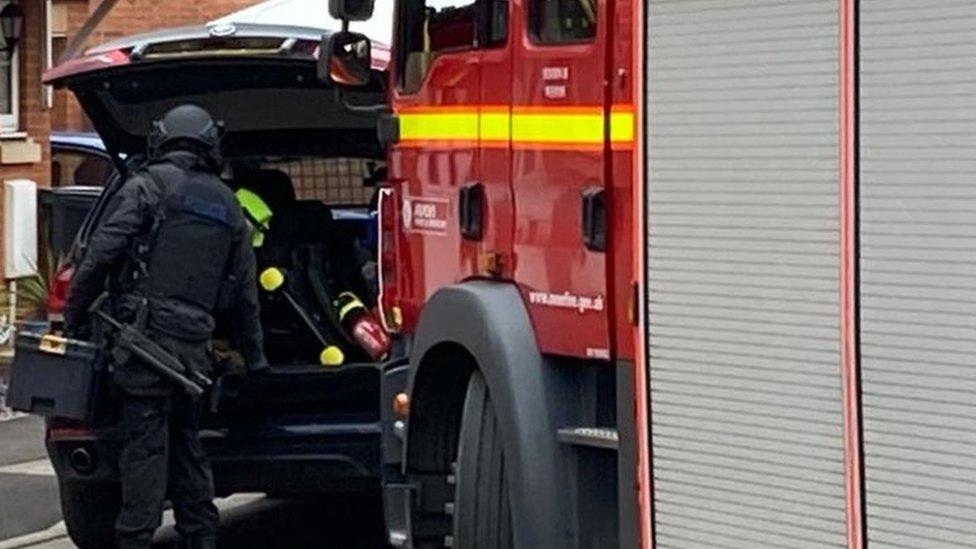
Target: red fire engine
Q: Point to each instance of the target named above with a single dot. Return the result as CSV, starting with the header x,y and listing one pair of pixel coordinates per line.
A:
x,y
679,273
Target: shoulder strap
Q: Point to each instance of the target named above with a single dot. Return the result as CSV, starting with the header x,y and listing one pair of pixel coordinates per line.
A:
x,y
152,170
163,188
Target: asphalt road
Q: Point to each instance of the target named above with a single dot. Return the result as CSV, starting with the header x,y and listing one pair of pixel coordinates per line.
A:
x,y
264,523
29,506
29,499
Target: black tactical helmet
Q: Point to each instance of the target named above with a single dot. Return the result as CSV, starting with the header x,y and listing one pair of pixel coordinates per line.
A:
x,y
185,123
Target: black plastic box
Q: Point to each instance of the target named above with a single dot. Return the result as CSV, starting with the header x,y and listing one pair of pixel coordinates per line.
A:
x,y
53,376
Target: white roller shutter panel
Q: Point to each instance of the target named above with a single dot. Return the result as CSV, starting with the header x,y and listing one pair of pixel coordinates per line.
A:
x,y
743,276
918,271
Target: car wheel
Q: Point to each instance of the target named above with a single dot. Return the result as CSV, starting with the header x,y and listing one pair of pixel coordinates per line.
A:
x,y
482,506
90,510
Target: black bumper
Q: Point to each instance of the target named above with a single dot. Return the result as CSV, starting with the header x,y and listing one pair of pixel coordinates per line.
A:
x,y
298,458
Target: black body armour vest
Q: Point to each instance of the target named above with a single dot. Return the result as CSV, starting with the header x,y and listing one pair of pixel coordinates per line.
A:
x,y
185,254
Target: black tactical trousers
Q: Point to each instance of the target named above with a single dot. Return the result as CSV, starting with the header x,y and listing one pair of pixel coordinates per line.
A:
x,y
163,458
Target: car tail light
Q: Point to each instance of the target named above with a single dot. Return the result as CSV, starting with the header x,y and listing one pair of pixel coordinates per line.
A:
x,y
57,293
59,429
390,314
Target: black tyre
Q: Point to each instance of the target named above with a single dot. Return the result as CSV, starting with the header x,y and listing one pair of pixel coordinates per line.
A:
x,y
482,507
89,511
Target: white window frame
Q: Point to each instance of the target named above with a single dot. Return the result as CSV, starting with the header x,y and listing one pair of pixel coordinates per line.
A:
x,y
10,122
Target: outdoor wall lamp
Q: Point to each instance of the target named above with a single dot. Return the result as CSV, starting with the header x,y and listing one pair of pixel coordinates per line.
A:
x,y
11,27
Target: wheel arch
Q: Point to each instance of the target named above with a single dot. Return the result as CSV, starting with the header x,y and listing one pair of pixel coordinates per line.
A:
x,y
485,326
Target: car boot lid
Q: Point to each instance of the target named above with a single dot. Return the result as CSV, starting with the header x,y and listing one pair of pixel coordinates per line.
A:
x,y
259,80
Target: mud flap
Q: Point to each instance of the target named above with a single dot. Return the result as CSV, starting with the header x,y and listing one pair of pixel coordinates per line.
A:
x,y
396,491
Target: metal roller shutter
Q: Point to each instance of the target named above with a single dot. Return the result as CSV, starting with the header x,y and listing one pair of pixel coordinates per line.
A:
x,y
918,271
748,447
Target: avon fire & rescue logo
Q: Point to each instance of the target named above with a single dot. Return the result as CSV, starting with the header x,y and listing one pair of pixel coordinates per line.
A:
x,y
425,215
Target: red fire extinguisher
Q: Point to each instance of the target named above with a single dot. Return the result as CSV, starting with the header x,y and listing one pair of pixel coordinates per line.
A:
x,y
363,326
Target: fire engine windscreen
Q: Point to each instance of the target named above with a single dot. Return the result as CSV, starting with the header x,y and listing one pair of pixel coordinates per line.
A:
x,y
428,28
561,21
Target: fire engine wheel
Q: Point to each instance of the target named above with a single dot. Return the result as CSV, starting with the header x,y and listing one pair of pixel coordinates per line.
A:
x,y
89,511
482,507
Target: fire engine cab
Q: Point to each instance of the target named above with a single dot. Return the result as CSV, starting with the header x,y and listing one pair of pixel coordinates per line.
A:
x,y
678,273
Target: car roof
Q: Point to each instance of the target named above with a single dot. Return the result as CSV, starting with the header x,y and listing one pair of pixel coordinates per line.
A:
x,y
78,140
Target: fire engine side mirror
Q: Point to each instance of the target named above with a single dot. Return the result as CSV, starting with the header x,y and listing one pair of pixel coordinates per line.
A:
x,y
351,10
345,58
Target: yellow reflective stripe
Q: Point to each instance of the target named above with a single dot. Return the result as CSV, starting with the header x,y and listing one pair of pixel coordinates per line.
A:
x,y
535,126
347,308
496,126
451,126
354,303
621,127
557,128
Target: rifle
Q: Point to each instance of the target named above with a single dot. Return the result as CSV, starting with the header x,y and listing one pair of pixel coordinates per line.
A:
x,y
130,341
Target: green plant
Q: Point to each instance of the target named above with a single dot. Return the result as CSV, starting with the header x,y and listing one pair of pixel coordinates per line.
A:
x,y
31,292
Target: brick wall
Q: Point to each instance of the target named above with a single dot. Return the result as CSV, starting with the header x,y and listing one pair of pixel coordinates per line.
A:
x,y
35,118
67,113
135,16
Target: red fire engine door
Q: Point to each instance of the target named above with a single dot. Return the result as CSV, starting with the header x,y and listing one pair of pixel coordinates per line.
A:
x,y
559,143
450,211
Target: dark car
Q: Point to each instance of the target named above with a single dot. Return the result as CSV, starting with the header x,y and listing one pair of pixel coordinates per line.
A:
x,y
79,159
80,169
303,429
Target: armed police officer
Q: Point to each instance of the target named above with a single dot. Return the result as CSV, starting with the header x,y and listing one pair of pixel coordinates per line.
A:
x,y
175,252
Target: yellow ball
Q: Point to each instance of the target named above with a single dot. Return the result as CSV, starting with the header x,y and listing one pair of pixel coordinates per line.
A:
x,y
271,279
332,357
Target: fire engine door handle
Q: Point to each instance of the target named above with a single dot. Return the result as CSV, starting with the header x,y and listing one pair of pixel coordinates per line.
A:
x,y
471,211
595,219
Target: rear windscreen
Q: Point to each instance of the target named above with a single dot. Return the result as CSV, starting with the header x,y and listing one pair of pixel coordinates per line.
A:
x,y
333,181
